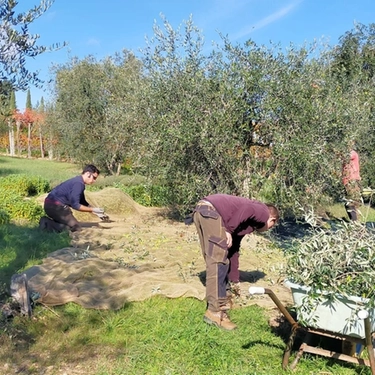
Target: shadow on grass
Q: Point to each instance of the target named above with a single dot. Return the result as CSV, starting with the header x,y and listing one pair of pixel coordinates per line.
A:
x,y
250,276
23,246
7,171
34,340
250,344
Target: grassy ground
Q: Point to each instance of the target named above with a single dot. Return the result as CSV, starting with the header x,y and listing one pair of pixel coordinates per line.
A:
x,y
366,213
53,171
157,336
56,172
23,246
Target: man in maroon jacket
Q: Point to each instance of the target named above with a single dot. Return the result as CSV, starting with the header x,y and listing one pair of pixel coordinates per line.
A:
x,y
222,220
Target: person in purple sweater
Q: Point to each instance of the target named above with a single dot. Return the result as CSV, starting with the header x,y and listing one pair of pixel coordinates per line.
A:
x,y
222,221
67,195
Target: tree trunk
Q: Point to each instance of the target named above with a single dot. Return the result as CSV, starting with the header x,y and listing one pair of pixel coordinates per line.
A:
x,y
118,169
29,140
41,142
11,138
18,126
246,178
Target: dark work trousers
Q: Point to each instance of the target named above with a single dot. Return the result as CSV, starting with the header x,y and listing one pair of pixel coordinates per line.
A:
x,y
353,194
62,218
234,259
213,241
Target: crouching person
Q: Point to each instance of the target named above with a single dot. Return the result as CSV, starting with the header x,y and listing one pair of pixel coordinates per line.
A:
x,y
67,195
222,220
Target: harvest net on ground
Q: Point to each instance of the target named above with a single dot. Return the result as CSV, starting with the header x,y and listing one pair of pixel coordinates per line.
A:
x,y
137,255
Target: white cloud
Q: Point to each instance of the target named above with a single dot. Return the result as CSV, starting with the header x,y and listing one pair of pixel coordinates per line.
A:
x,y
93,42
267,20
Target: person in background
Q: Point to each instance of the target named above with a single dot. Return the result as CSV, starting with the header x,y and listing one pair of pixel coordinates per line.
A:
x,y
222,221
64,197
351,180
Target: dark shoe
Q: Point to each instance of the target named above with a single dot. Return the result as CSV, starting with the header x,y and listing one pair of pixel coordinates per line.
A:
x,y
219,319
76,228
351,210
43,223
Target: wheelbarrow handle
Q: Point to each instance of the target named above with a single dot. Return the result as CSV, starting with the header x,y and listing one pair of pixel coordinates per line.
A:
x,y
363,314
256,290
259,290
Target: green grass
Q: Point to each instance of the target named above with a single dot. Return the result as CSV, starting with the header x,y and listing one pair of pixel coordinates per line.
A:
x,y
366,213
23,246
157,336
56,172
53,171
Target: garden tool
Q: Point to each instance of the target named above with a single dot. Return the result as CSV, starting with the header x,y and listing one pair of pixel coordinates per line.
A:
x,y
102,216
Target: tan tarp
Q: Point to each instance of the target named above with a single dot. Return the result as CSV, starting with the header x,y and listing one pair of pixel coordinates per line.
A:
x,y
72,275
135,256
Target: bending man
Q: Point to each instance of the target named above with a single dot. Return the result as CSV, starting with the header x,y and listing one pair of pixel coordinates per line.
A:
x,y
222,221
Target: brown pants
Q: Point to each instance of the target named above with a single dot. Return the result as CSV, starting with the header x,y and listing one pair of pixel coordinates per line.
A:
x,y
213,241
62,218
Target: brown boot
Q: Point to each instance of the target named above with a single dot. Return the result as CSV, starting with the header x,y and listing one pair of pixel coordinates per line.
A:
x,y
219,319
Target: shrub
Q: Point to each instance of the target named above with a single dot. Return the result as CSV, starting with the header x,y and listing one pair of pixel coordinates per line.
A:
x,y
148,195
117,181
16,205
26,209
38,185
25,185
4,217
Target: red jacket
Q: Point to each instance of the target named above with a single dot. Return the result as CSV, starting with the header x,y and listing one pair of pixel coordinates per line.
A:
x,y
350,170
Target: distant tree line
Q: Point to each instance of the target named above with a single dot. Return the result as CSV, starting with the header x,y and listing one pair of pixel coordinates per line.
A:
x,y
17,45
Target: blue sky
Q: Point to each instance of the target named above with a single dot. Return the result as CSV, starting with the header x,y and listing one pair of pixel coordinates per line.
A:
x,y
102,28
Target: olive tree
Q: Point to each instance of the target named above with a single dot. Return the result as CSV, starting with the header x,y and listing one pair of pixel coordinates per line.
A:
x,y
258,121
215,123
253,120
95,108
306,117
198,126
17,44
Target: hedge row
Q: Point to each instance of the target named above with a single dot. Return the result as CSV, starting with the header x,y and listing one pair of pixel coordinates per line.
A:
x,y
17,197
